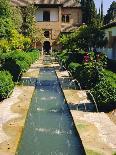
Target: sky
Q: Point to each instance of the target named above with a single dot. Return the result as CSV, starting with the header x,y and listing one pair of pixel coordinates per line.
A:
x,y
106,3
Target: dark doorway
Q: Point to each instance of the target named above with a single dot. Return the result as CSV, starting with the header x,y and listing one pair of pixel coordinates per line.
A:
x,y
46,47
46,16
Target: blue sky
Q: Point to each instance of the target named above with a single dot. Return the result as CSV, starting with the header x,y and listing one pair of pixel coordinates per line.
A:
x,y
107,4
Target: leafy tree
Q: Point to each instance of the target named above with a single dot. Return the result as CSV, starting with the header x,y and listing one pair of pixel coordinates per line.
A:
x,y
111,13
28,20
29,27
37,35
5,9
16,17
10,18
6,26
86,38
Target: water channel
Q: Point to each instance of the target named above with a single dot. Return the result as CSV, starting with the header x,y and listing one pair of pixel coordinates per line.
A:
x,y
49,128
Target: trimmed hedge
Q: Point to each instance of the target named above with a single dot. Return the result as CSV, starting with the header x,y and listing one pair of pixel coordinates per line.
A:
x,y
6,84
75,69
105,91
17,62
87,74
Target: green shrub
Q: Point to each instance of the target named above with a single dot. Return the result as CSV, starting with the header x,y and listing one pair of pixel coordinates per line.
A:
x,y
90,75
75,69
63,57
110,76
87,74
6,84
101,59
17,62
105,91
34,54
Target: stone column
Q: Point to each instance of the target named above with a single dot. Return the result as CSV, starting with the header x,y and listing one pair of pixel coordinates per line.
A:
x,y
60,15
42,49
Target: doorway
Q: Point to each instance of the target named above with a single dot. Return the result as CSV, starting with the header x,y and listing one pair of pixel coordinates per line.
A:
x,y
47,47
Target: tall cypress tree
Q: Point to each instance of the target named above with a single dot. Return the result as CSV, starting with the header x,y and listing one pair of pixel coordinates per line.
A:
x,y
102,11
89,11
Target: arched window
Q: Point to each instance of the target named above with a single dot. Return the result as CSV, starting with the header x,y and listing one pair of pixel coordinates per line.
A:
x,y
63,18
67,18
47,34
46,16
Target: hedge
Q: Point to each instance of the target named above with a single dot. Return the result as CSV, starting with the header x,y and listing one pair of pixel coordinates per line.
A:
x,y
6,84
17,62
75,69
87,74
105,91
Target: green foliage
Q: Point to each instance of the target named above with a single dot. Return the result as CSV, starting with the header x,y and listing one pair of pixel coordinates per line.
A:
x,y
63,57
92,152
105,92
87,74
6,84
6,26
16,17
111,77
4,46
16,41
75,69
10,18
34,54
110,16
86,37
18,62
89,11
5,9
28,19
90,74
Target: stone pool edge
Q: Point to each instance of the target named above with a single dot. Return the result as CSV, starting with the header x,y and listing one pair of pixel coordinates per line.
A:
x,y
74,122
18,104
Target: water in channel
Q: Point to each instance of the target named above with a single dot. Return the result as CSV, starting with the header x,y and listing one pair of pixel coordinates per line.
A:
x,y
49,129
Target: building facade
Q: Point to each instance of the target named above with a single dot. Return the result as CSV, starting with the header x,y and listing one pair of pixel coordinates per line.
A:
x,y
55,17
110,34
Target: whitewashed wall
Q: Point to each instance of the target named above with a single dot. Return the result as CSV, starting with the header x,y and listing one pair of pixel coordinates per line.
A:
x,y
113,30
53,14
109,52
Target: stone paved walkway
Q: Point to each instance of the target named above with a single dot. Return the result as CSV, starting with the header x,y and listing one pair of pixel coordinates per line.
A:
x,y
13,112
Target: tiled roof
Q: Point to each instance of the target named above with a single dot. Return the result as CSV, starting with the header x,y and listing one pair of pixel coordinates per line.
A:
x,y
21,2
70,3
65,3
109,25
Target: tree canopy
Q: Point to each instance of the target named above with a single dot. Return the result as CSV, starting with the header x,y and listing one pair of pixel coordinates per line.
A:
x,y
89,11
10,18
86,38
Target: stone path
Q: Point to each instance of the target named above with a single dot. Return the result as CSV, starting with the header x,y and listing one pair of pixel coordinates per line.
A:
x,y
6,114
13,112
